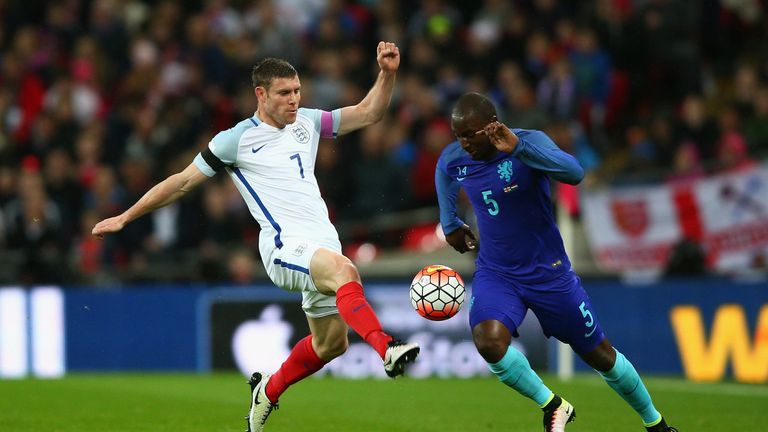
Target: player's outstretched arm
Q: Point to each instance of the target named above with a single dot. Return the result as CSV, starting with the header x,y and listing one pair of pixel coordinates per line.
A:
x,y
373,106
162,194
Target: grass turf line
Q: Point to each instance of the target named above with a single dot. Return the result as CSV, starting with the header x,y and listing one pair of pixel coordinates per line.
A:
x,y
218,402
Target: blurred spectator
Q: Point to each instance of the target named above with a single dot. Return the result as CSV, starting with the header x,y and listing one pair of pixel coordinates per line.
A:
x,y
29,91
484,34
547,13
732,146
389,23
32,219
33,222
686,259
523,111
61,185
433,140
642,151
591,67
298,14
328,83
571,139
697,128
508,76
439,22
661,133
732,153
334,181
381,185
8,181
87,249
218,228
216,232
202,50
687,165
556,92
516,27
538,56
663,42
745,83
449,85
46,135
591,71
756,125
242,267
423,59
105,195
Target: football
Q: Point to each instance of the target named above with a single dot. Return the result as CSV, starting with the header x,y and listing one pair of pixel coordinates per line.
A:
x,y
437,292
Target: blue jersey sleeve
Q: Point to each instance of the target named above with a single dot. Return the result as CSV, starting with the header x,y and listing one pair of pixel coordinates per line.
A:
x,y
538,151
447,191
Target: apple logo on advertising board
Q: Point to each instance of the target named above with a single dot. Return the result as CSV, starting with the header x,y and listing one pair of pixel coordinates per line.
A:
x,y
262,344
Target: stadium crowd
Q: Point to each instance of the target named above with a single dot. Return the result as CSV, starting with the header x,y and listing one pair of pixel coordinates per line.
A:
x,y
101,99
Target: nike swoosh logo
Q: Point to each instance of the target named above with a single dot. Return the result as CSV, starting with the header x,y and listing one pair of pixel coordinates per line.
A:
x,y
355,309
586,335
255,150
434,268
460,178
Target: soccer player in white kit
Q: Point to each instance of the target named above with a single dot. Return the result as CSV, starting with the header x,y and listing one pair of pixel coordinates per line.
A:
x,y
271,158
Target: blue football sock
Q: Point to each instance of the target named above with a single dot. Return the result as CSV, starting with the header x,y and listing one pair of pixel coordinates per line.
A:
x,y
623,378
515,371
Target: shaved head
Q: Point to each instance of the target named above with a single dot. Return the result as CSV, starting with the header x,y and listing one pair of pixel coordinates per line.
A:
x,y
473,107
470,115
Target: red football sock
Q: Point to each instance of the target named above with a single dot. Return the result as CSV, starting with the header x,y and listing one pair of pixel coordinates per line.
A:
x,y
301,363
358,314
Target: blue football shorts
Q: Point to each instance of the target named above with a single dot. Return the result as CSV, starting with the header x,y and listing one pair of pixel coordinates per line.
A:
x,y
561,305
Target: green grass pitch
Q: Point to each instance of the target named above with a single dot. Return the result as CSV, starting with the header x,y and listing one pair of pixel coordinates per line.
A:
x,y
218,402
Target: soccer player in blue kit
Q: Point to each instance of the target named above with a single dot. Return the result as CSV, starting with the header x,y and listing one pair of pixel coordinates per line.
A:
x,y
522,263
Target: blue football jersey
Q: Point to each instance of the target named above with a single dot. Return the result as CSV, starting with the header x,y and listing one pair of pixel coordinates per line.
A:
x,y
510,195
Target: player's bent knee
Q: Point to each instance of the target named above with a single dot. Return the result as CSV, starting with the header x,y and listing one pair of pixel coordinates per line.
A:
x,y
602,358
347,272
491,349
330,270
491,339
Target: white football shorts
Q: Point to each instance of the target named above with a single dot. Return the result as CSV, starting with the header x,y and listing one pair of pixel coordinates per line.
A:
x,y
288,267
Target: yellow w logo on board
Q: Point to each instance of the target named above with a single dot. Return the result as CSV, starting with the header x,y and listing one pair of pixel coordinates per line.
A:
x,y
729,339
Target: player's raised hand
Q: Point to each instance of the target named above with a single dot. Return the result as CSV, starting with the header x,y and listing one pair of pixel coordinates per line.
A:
x,y
462,239
111,225
501,136
388,56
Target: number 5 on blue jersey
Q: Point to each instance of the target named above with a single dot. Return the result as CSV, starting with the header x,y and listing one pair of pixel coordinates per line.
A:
x,y
494,209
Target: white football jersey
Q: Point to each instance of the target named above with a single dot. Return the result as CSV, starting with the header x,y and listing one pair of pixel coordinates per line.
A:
x,y
274,170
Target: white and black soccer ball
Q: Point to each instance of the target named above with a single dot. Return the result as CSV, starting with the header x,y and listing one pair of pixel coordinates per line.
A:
x,y
437,292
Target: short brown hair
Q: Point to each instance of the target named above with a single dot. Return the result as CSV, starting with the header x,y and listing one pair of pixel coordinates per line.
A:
x,y
270,68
